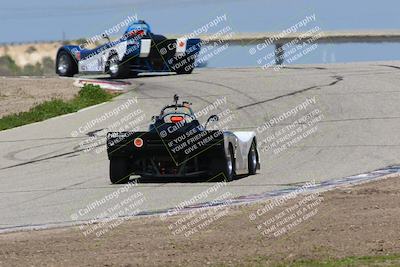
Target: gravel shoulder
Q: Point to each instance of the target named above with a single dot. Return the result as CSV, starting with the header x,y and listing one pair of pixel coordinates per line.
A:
x,y
20,94
348,222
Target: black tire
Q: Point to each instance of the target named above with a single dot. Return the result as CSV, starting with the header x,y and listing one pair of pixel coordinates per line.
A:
x,y
115,68
66,65
119,171
252,159
229,168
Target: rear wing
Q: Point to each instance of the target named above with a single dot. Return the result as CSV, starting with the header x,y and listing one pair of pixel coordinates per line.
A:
x,y
161,46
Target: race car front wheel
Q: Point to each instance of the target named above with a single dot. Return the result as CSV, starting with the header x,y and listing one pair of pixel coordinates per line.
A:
x,y
65,65
113,67
118,69
119,171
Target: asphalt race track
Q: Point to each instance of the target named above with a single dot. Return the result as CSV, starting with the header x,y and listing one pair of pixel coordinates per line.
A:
x,y
47,177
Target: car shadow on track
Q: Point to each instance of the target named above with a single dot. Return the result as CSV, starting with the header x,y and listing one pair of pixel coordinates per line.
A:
x,y
150,180
147,75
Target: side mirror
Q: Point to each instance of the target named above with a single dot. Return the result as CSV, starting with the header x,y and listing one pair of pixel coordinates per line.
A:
x,y
210,119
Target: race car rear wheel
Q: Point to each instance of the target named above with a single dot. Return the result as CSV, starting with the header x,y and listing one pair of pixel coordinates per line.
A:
x,y
65,65
119,171
252,159
229,170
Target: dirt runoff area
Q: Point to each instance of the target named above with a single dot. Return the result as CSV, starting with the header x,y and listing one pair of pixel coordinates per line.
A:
x,y
20,94
354,221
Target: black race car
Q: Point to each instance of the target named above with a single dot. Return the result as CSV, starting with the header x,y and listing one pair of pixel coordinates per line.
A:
x,y
177,145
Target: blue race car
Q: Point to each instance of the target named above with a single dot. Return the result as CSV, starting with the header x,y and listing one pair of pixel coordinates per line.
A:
x,y
138,50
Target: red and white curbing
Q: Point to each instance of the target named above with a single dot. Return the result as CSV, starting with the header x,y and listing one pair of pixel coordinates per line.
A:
x,y
114,86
